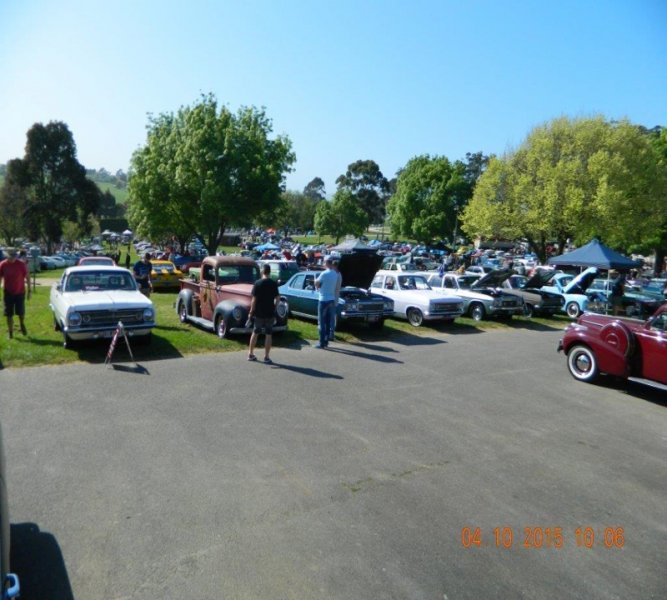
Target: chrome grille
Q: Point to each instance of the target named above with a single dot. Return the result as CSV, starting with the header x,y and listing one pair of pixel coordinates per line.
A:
x,y
97,318
371,306
445,309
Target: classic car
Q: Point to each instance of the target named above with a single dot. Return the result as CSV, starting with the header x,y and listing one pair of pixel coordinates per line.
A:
x,y
656,288
480,297
537,301
572,288
281,270
9,583
356,302
634,303
165,275
89,301
96,260
621,346
414,299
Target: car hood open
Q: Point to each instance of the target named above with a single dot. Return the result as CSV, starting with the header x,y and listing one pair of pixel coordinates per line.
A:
x,y
579,284
359,268
539,278
493,279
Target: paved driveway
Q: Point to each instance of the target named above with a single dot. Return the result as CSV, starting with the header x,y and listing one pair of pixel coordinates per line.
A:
x,y
347,473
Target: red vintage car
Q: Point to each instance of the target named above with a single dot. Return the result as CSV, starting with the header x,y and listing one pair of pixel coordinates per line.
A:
x,y
629,348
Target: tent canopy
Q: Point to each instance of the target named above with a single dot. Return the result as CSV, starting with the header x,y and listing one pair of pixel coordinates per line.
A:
x,y
267,246
595,254
353,246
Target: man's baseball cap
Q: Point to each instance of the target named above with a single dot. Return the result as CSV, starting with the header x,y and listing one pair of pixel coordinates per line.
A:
x,y
12,252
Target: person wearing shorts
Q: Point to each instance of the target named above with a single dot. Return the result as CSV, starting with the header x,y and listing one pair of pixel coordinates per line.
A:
x,y
265,298
17,278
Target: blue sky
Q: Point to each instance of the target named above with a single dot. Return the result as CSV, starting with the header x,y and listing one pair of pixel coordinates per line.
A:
x,y
345,80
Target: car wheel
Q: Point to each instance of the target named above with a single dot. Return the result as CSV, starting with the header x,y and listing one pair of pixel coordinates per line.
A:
x,y
182,311
477,311
572,310
529,311
221,328
415,317
583,364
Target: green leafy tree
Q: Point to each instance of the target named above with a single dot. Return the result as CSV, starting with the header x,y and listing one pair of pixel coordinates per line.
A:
x,y
428,193
576,179
297,211
315,190
14,203
55,182
341,216
370,188
204,169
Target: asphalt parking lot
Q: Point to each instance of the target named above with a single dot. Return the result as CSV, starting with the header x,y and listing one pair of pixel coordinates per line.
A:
x,y
347,473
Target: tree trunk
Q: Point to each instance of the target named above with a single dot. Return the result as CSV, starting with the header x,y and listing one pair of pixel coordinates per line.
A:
x,y
659,260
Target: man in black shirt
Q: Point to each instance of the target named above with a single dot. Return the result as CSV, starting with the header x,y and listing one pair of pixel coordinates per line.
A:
x,y
265,297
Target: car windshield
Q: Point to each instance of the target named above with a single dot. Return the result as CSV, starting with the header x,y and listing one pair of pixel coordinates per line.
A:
x,y
467,281
99,280
413,282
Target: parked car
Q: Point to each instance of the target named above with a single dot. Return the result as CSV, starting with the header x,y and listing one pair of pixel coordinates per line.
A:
x,y
60,262
572,288
185,263
46,263
537,301
9,582
629,348
96,260
634,303
356,302
414,299
656,288
481,299
281,270
89,301
165,275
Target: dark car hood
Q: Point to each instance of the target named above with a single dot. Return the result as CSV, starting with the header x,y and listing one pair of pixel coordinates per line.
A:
x,y
579,284
359,268
493,279
539,278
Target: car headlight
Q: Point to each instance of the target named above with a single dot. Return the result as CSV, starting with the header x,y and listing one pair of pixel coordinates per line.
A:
x,y
237,313
281,309
352,306
74,319
149,314
389,306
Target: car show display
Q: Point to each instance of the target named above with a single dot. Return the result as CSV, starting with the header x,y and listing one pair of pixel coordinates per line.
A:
x,y
356,302
414,299
628,348
220,299
89,301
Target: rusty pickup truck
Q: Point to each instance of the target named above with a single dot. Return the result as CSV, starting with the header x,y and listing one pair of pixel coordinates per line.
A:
x,y
219,298
628,348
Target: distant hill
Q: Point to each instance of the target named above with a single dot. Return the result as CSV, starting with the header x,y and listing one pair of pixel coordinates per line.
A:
x,y
116,184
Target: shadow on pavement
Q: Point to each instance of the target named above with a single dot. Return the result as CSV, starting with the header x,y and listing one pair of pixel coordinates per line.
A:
x,y
95,351
634,390
415,340
37,560
375,357
305,371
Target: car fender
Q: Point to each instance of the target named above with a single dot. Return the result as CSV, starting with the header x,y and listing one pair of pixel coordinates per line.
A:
x,y
611,359
226,307
187,297
618,336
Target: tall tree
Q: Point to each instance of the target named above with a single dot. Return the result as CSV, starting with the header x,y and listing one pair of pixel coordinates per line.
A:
x,y
315,190
341,216
368,186
205,169
428,193
13,208
572,178
297,211
55,182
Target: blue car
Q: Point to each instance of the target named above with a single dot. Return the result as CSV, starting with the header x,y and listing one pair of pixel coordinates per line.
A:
x,y
356,303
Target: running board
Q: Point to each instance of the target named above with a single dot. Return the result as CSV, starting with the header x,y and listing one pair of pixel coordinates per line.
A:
x,y
649,382
205,323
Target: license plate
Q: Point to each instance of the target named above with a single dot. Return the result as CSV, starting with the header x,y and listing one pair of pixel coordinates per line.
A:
x,y
373,318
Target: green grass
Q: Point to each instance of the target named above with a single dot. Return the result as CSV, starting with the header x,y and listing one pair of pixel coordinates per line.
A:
x,y
172,339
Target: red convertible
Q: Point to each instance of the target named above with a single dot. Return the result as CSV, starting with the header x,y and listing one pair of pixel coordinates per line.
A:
x,y
629,348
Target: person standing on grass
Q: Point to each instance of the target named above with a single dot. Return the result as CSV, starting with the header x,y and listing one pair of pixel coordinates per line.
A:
x,y
17,278
142,273
265,298
326,286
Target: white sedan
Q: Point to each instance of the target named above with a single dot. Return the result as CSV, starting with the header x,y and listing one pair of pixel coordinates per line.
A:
x,y
414,299
89,301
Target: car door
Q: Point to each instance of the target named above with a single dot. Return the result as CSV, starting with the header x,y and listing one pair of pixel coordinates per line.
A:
x,y
652,340
207,291
294,293
310,296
